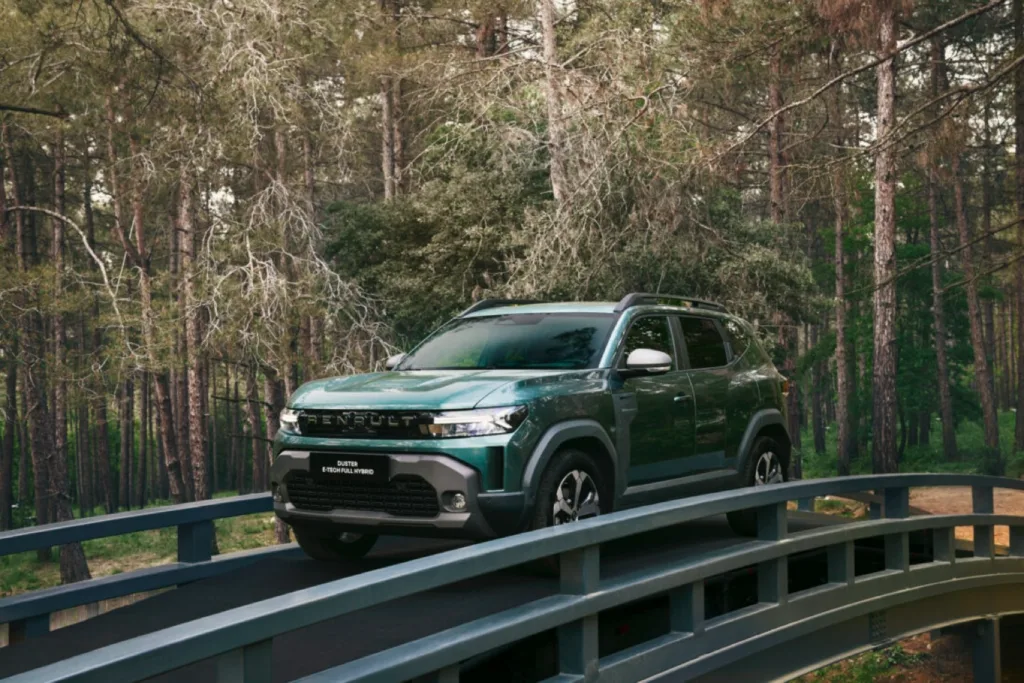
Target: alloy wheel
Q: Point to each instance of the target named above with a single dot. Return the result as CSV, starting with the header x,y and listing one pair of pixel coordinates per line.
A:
x,y
768,469
576,498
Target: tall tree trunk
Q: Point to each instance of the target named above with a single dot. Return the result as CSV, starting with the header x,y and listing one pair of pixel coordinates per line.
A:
x,y
556,126
125,407
1018,105
101,459
241,483
988,307
988,408
7,447
884,446
11,353
84,460
140,470
72,558
178,382
846,438
949,445
272,389
252,412
196,423
818,400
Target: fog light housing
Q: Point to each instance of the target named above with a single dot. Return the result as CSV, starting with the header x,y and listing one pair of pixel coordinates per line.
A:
x,y
278,496
455,501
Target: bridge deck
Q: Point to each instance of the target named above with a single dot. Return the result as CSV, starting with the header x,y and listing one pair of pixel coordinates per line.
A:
x,y
367,631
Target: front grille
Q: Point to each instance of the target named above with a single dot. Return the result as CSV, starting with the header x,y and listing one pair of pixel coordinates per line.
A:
x,y
406,495
363,424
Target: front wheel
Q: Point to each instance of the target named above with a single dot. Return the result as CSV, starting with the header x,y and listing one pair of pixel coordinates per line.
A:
x,y
343,546
572,488
764,467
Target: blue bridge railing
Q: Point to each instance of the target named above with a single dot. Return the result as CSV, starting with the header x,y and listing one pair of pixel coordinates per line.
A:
x,y
28,614
942,591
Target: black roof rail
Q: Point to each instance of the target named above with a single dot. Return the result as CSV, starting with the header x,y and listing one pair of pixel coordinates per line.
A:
x,y
494,303
639,298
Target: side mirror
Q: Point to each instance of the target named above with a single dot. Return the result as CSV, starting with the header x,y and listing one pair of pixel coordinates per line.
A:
x,y
394,360
648,361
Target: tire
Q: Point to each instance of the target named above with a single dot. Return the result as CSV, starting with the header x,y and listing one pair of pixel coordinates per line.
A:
x,y
566,467
334,549
759,470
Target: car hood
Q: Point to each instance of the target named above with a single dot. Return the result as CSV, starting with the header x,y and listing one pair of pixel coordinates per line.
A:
x,y
408,390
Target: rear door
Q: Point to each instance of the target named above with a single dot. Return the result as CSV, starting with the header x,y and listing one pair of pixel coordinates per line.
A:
x,y
710,376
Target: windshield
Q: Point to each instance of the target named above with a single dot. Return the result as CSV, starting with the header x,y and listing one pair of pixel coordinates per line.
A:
x,y
570,341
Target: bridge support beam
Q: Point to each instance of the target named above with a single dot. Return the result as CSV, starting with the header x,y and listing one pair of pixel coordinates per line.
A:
x,y
987,654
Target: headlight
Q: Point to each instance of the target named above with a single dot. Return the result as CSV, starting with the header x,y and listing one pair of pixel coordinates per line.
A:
x,y
290,420
473,422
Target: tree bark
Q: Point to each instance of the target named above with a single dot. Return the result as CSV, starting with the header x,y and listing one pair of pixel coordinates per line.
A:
x,y
988,408
196,423
252,407
556,126
846,439
949,445
988,307
126,409
73,566
10,426
11,405
884,446
139,489
1018,104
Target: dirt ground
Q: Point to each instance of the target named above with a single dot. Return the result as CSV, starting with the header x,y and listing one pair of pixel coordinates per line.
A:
x,y
951,501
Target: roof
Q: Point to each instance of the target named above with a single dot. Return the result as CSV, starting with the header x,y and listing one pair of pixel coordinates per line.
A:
x,y
555,307
607,307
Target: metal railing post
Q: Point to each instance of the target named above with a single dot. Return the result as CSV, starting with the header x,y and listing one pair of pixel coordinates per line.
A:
x,y
686,608
1017,541
897,546
984,534
578,640
249,664
944,545
772,576
194,541
841,563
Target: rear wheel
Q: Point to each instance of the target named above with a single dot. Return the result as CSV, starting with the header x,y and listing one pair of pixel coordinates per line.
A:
x,y
327,548
764,467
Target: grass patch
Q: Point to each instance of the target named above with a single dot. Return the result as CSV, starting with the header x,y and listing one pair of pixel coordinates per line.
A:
x,y
868,667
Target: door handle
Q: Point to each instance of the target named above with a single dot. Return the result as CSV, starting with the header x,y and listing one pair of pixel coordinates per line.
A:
x,y
681,398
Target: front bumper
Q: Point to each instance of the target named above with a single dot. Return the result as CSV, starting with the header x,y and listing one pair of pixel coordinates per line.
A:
x,y
487,514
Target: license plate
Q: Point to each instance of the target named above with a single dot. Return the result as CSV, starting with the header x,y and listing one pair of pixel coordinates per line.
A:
x,y
370,469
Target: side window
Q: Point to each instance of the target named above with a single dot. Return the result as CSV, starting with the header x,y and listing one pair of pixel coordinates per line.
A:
x,y
739,338
704,344
651,332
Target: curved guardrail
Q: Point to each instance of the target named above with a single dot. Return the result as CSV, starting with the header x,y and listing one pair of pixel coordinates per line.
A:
x,y
241,638
28,614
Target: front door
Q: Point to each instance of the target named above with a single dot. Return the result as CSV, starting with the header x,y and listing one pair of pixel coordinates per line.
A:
x,y
711,376
661,434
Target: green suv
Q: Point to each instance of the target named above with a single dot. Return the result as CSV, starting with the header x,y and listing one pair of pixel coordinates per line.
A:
x,y
519,415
